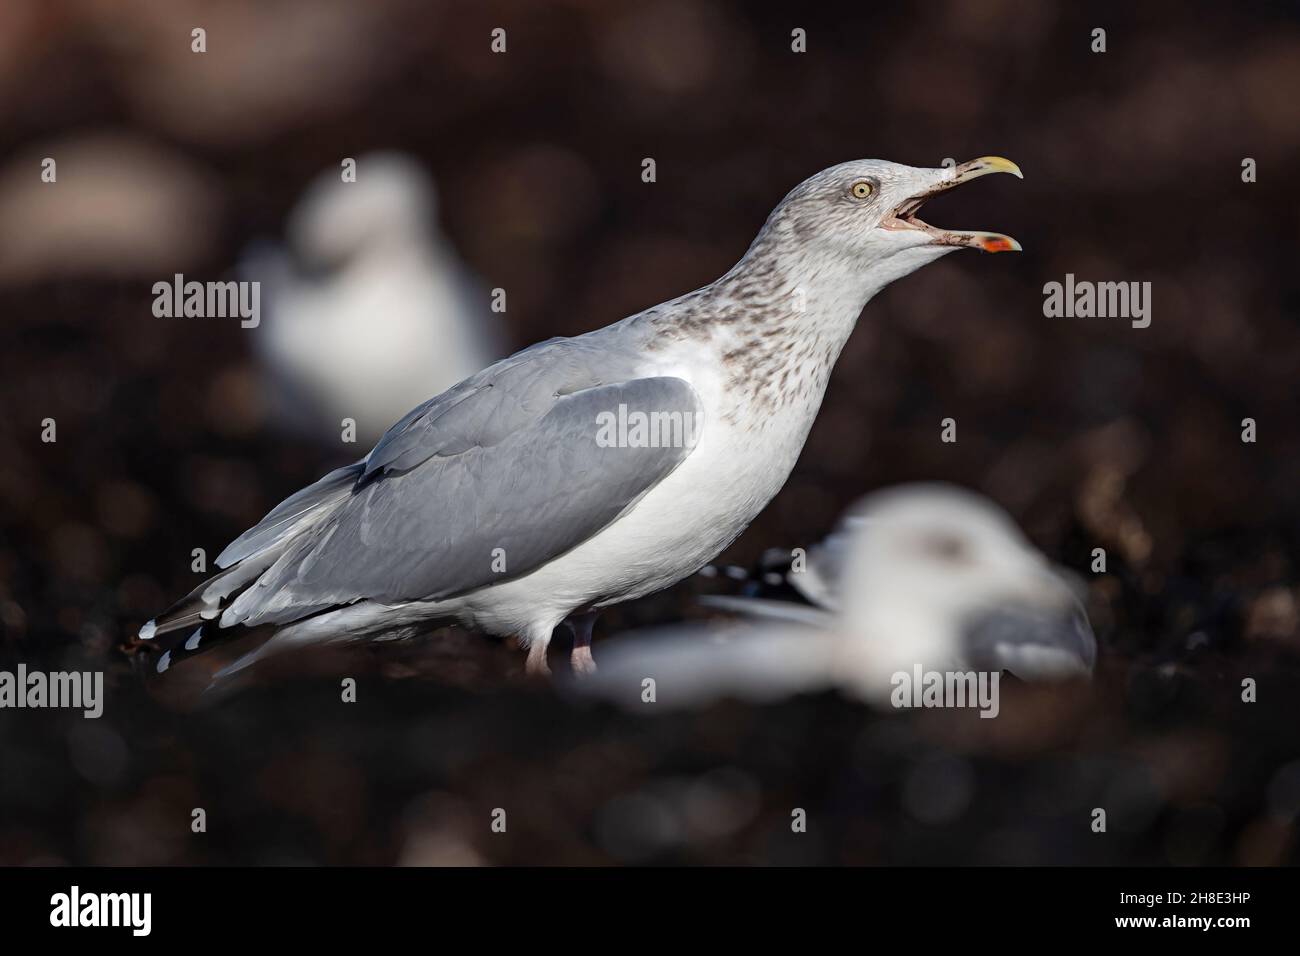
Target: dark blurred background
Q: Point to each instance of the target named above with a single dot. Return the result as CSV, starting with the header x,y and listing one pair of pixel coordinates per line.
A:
x,y
1090,432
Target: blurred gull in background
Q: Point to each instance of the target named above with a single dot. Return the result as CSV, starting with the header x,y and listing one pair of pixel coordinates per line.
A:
x,y
370,311
927,575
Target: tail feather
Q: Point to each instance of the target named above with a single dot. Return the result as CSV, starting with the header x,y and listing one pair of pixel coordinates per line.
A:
x,y
180,644
190,625
207,600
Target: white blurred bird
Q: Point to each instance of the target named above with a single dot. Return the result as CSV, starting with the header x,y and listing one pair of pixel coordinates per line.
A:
x,y
369,312
927,575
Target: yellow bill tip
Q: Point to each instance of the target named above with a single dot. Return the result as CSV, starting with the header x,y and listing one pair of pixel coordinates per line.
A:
x,y
998,164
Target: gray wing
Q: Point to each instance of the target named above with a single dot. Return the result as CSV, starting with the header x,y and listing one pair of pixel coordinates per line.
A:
x,y
286,517
508,469
788,611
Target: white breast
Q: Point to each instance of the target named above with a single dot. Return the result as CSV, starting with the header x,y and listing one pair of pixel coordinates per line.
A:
x,y
679,525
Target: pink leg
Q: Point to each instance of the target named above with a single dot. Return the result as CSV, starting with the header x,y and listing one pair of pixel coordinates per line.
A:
x,y
581,660
536,665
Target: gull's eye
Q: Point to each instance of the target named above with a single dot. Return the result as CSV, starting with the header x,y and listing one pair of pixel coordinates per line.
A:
x,y
861,190
945,547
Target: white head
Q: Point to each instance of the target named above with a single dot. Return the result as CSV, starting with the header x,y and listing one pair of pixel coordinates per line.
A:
x,y
862,216
928,563
939,546
392,204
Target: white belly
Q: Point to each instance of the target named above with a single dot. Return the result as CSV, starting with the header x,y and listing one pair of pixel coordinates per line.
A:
x,y
675,529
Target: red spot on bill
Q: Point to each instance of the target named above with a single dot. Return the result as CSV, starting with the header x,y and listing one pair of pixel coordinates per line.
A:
x,y
997,244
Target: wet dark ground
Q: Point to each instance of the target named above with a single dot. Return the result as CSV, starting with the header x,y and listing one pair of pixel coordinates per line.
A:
x,y
1091,433
415,769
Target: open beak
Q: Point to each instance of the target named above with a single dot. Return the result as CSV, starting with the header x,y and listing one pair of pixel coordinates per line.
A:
x,y
904,216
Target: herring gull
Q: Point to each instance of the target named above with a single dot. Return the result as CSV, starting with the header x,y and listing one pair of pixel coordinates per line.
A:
x,y
508,504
